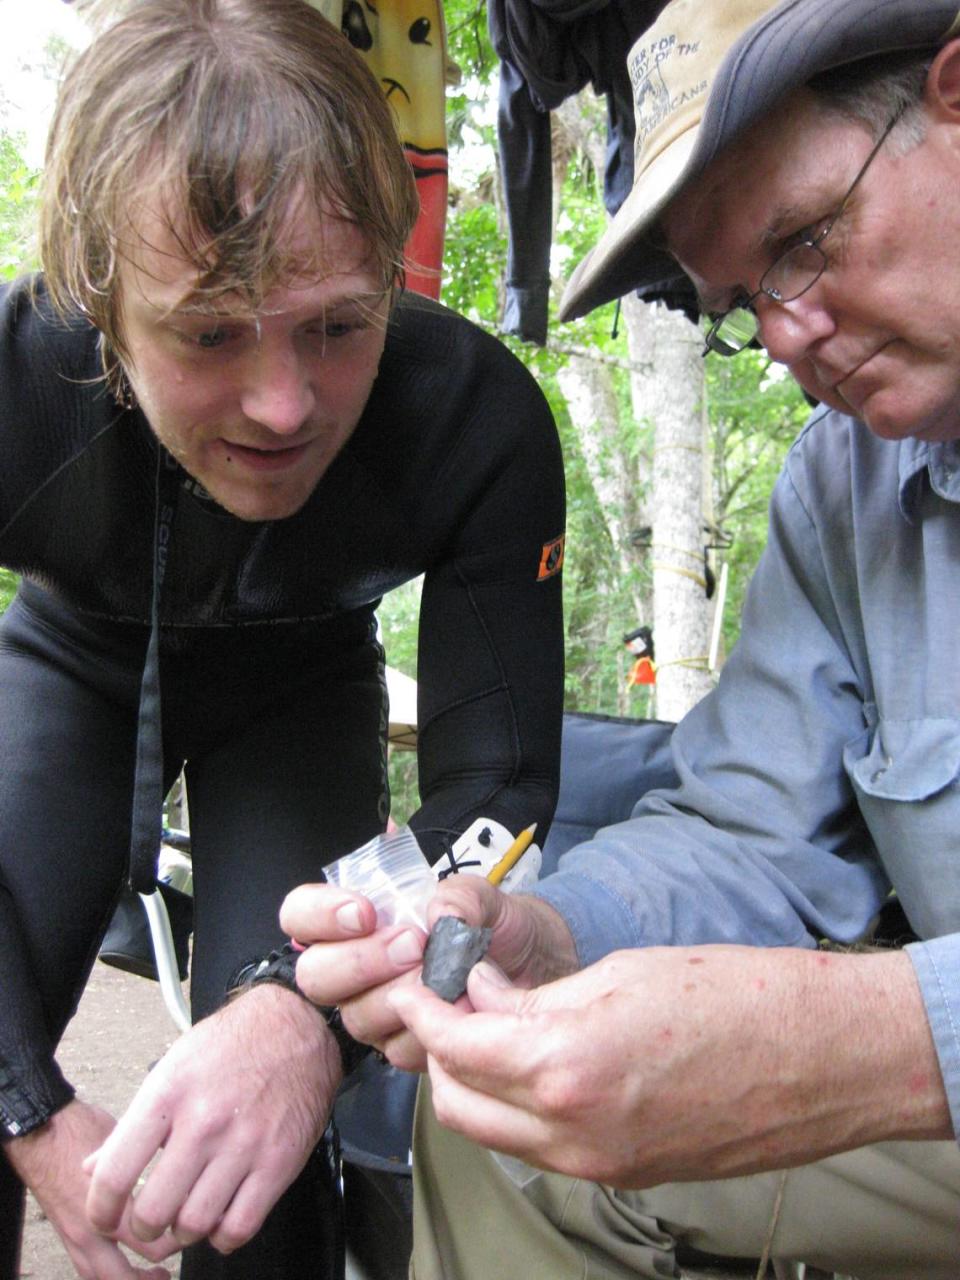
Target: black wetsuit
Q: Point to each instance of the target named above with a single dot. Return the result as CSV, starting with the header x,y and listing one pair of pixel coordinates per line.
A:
x,y
271,674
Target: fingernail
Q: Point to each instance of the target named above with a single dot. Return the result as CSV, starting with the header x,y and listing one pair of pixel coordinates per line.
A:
x,y
405,948
490,973
348,917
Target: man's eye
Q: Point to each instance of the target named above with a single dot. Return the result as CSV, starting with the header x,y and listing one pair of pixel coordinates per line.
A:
x,y
204,339
737,300
343,326
339,328
211,339
813,233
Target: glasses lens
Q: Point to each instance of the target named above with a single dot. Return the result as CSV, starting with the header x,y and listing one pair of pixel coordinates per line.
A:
x,y
794,273
732,332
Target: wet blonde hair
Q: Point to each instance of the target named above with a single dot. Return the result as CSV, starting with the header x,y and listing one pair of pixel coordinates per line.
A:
x,y
226,115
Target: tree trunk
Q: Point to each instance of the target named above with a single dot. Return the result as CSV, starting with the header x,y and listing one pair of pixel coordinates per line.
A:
x,y
588,388
672,397
592,403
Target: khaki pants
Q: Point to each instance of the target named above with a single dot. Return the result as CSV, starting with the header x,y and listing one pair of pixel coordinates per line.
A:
x,y
890,1212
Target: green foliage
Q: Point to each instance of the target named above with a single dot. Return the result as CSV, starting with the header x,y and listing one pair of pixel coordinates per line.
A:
x,y
597,597
18,185
474,253
399,616
18,191
8,585
756,411
468,46
580,224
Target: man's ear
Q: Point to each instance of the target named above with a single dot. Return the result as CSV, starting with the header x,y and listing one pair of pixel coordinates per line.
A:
x,y
942,91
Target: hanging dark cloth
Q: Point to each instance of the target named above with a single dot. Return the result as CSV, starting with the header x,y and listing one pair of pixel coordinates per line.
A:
x,y
549,50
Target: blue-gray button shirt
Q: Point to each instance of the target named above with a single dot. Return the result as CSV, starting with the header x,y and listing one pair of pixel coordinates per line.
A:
x,y
824,768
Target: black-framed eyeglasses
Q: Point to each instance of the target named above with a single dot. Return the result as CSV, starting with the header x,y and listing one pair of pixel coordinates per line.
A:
x,y
787,278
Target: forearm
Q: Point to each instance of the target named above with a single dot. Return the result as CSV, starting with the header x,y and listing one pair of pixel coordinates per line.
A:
x,y
763,1058
845,1042
489,744
490,720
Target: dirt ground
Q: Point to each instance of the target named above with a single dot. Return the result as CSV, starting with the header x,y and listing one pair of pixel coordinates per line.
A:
x,y
121,1029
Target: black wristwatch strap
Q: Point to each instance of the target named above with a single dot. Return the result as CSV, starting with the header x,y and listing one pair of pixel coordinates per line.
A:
x,y
280,967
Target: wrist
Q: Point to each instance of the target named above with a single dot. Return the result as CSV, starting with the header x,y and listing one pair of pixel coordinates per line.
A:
x,y
279,968
911,1099
31,1154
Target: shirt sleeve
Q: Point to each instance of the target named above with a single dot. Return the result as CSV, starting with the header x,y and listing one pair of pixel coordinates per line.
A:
x,y
32,1086
937,966
762,842
490,666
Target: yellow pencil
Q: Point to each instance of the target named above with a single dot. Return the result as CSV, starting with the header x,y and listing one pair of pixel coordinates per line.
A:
x,y
512,856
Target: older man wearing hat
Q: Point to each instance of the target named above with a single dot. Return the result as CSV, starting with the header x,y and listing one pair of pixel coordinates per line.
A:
x,y
665,1032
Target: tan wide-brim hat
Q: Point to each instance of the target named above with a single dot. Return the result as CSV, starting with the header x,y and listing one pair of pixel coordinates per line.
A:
x,y
704,71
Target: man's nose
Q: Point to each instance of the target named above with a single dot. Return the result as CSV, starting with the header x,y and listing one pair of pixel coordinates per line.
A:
x,y
279,392
790,330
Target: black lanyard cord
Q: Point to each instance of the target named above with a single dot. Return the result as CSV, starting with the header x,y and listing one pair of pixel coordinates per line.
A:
x,y
146,820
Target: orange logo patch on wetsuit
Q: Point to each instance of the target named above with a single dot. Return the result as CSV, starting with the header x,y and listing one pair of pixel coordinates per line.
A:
x,y
551,558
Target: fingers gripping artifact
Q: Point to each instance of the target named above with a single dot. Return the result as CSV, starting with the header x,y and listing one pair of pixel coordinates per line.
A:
x,y
454,946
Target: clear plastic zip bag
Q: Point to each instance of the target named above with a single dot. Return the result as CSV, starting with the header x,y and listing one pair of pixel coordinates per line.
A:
x,y
392,872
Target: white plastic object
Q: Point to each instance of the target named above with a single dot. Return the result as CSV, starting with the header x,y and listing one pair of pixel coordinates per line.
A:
x,y
175,869
482,846
165,955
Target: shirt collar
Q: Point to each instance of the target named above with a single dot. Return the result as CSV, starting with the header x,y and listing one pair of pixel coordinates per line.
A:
x,y
940,460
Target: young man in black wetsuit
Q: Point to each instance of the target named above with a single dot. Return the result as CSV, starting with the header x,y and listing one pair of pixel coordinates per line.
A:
x,y
225,433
